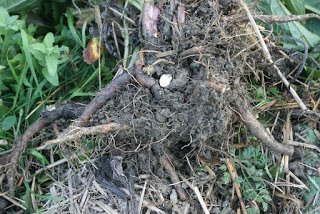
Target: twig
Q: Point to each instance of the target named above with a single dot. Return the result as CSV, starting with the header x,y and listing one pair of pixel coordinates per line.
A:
x,y
269,59
173,176
166,53
191,51
234,176
306,145
106,207
54,164
290,197
142,196
198,194
152,207
33,197
305,54
258,130
115,40
70,189
78,132
121,15
298,180
85,196
287,138
274,18
13,201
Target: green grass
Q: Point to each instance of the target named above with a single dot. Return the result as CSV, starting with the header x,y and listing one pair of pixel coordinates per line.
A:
x,y
40,66
40,69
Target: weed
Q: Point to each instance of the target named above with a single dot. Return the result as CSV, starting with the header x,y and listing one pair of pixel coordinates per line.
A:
x,y
250,164
34,69
27,64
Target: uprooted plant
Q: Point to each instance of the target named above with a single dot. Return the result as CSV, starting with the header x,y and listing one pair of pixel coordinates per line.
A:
x,y
178,87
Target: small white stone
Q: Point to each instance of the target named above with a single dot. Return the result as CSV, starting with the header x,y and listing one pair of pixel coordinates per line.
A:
x,y
165,80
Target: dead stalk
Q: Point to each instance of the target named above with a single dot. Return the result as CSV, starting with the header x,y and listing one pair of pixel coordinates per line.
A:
x,y
173,176
269,59
279,19
196,191
234,176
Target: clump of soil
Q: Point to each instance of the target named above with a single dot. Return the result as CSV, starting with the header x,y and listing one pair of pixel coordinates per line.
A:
x,y
189,113
175,121
172,122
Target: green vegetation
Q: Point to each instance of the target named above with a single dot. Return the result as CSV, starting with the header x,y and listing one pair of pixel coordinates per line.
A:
x,y
297,34
41,63
253,169
303,30
308,32
39,68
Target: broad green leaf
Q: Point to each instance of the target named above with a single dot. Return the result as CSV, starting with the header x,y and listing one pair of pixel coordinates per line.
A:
x,y
4,16
54,50
48,40
295,6
19,5
53,79
7,21
39,46
8,123
38,50
313,25
51,64
295,28
313,5
40,157
3,108
63,57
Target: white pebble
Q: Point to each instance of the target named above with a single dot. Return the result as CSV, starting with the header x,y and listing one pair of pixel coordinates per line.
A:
x,y
165,80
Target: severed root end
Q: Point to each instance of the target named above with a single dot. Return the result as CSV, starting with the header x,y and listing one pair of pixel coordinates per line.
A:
x,y
257,129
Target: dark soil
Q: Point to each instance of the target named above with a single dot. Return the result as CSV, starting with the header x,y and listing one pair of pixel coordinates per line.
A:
x,y
189,112
178,121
